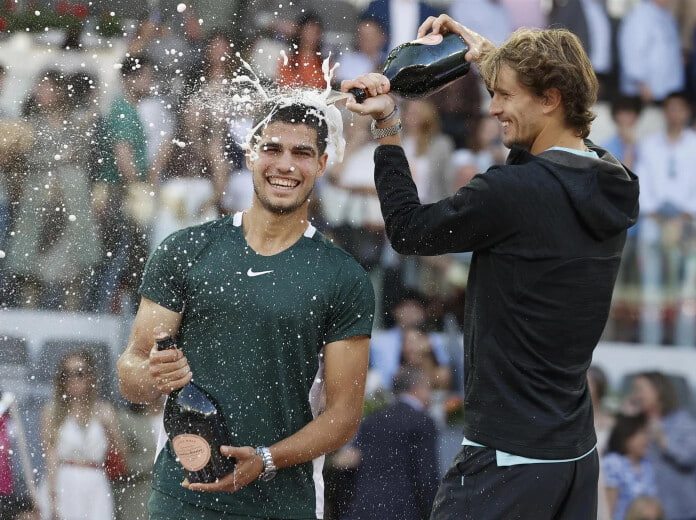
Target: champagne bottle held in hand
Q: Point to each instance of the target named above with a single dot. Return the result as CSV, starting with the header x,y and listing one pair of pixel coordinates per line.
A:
x,y
195,425
421,67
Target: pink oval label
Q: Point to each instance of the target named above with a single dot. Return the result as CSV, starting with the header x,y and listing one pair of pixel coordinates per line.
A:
x,y
193,451
429,39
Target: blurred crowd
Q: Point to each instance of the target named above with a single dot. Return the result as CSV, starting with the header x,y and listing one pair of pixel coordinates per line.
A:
x,y
87,191
98,455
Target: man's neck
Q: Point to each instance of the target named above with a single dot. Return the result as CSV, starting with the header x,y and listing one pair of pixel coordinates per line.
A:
x,y
270,233
554,135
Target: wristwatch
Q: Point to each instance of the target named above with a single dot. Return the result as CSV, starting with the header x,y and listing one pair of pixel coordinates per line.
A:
x,y
269,467
379,133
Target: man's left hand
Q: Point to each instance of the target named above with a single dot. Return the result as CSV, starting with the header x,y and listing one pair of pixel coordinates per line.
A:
x,y
249,467
378,104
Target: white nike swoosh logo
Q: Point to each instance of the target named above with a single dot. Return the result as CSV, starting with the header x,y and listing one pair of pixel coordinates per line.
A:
x,y
251,273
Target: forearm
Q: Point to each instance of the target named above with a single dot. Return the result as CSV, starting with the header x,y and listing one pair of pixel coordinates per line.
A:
x,y
134,379
456,224
326,433
136,382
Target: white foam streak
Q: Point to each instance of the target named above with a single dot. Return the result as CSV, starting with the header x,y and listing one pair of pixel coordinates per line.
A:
x,y
245,94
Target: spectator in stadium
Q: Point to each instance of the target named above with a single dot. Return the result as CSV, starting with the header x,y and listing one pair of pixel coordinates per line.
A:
x,y
628,473
650,52
417,352
386,346
301,67
590,21
368,54
645,508
77,430
664,164
491,17
191,173
397,476
672,435
121,199
54,243
409,13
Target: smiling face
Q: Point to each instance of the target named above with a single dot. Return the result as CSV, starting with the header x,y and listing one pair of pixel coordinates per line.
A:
x,y
285,166
519,111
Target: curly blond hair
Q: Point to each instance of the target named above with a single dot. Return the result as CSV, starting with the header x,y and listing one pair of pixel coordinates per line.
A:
x,y
549,58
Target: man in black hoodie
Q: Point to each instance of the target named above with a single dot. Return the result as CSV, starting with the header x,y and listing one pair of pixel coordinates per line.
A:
x,y
547,230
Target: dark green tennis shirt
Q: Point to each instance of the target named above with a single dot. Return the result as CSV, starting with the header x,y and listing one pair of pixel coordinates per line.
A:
x,y
253,328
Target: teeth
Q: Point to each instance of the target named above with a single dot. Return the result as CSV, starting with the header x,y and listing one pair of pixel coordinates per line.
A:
x,y
505,124
283,183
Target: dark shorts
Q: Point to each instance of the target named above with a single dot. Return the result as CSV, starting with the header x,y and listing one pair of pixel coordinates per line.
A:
x,y
476,488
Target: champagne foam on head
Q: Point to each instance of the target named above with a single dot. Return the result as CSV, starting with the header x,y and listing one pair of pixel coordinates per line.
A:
x,y
244,96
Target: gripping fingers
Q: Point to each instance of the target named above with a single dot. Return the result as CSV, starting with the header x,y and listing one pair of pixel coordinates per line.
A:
x,y
440,25
167,383
426,26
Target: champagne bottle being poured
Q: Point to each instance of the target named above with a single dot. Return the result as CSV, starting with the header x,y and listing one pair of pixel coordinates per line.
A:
x,y
421,67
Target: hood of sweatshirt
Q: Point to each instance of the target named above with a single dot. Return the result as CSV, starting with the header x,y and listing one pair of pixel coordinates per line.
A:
x,y
602,191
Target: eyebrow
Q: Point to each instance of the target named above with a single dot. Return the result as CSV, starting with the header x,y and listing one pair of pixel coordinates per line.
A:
x,y
296,148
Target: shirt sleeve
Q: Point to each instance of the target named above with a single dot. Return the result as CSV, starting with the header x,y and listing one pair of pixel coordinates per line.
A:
x,y
353,304
164,275
476,217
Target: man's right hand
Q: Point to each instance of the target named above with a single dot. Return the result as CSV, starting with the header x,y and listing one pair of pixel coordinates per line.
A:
x,y
169,368
443,24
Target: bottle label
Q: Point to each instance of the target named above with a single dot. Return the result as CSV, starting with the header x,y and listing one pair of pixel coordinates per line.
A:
x,y
193,451
429,39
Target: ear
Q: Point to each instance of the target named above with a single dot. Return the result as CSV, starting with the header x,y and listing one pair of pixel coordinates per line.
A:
x,y
552,99
322,165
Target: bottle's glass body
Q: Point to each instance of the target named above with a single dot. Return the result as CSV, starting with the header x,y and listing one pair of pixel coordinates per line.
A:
x,y
419,68
196,427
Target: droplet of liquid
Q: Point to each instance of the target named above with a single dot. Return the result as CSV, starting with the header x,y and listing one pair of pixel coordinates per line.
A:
x,y
181,8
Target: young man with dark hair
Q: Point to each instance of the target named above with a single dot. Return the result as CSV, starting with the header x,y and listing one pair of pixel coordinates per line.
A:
x,y
547,230
271,319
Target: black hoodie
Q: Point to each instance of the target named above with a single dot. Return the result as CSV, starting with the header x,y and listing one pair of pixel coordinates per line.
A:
x,y
547,233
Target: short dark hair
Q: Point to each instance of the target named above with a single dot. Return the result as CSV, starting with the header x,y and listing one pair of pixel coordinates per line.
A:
x,y
678,94
294,114
626,103
134,65
625,427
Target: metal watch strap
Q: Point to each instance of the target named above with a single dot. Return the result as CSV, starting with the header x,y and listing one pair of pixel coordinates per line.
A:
x,y
269,467
379,133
